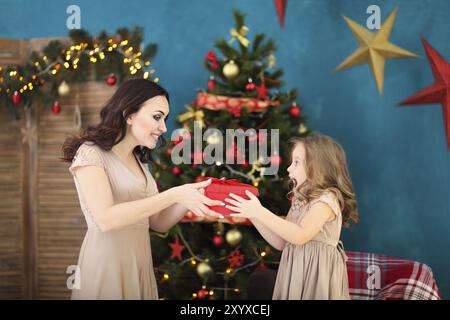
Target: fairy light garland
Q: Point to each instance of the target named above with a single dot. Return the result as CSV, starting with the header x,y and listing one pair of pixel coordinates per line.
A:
x,y
69,59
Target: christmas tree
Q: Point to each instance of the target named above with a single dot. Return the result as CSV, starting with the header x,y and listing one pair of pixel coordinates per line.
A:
x,y
212,259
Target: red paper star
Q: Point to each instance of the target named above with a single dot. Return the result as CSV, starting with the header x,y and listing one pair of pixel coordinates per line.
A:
x,y
177,248
262,91
439,91
235,258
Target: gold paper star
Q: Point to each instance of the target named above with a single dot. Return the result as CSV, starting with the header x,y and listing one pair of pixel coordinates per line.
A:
x,y
374,48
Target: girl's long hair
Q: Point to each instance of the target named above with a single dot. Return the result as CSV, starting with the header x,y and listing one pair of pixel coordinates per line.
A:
x,y
326,170
112,128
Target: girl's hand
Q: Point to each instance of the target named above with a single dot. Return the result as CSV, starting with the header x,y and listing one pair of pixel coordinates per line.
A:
x,y
244,208
191,196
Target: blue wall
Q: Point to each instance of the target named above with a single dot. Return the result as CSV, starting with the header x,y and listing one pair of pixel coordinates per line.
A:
x,y
398,156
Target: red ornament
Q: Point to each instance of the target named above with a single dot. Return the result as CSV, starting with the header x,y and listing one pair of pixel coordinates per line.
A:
x,y
202,293
275,159
176,170
250,85
439,91
262,91
200,179
295,111
232,152
111,80
178,140
177,248
280,5
218,240
211,84
261,138
56,108
197,156
169,151
16,98
262,266
235,258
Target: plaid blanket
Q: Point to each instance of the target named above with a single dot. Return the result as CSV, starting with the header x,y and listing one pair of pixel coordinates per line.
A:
x,y
380,277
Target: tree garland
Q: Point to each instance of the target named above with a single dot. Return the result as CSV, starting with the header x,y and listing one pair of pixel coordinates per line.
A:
x,y
114,58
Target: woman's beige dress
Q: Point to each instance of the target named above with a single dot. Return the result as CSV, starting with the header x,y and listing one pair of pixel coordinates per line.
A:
x,y
316,270
115,264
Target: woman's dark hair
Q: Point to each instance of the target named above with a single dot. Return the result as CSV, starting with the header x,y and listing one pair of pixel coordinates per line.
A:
x,y
112,128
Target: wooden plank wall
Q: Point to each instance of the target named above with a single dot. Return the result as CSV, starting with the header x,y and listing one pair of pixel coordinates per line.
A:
x,y
41,224
60,223
12,243
12,273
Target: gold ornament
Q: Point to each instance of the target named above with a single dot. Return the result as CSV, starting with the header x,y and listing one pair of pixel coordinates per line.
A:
x,y
215,138
204,270
233,237
230,70
302,129
272,60
374,48
63,89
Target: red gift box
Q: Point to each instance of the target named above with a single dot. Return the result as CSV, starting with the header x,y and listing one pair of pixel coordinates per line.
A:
x,y
219,190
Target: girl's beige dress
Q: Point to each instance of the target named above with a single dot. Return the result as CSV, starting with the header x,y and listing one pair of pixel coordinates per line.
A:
x,y
316,270
115,264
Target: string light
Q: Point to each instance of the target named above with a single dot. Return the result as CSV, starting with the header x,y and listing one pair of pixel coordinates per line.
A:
x,y
73,52
166,276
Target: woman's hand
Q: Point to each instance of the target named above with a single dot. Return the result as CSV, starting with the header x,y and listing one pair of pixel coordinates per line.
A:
x,y
191,196
244,208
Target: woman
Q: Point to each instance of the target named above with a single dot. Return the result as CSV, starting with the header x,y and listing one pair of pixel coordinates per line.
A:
x,y
119,197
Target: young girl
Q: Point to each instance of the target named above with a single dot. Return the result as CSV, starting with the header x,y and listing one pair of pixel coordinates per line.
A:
x,y
313,262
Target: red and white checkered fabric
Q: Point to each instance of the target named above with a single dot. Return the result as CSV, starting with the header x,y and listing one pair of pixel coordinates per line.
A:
x,y
380,277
